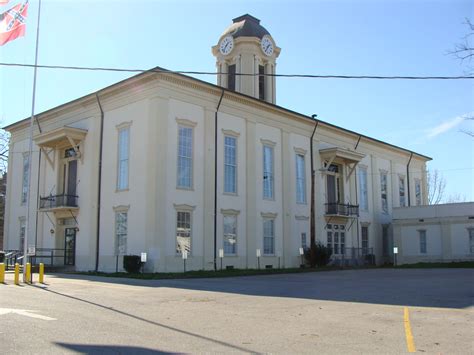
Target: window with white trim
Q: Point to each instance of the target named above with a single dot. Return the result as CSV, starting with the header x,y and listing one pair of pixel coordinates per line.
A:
x,y
422,237
401,190
418,192
385,240
123,158
230,235
185,157
384,192
121,232
364,200
268,183
303,241
300,179
365,240
183,232
471,240
268,236
22,234
26,171
230,164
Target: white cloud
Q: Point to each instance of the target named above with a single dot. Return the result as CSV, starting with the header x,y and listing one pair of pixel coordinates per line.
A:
x,y
447,125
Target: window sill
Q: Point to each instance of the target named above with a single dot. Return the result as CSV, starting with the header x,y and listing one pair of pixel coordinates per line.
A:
x,y
184,188
122,190
233,194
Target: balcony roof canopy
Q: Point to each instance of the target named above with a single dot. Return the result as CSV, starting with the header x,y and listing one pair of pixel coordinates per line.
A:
x,y
346,155
60,138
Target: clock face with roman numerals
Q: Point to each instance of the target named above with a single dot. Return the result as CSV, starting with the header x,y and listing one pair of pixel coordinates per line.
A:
x,y
226,46
267,45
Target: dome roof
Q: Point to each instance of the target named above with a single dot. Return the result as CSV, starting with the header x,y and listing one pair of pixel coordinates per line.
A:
x,y
246,26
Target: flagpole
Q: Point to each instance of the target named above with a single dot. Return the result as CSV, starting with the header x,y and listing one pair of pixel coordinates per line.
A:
x,y
30,151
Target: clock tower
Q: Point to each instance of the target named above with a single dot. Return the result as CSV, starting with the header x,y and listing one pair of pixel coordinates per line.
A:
x,y
246,47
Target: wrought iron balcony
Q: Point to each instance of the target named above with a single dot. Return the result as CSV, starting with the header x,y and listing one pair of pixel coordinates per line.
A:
x,y
342,209
58,201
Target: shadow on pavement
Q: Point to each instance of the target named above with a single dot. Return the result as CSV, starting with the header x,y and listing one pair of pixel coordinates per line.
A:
x,y
202,337
445,288
110,349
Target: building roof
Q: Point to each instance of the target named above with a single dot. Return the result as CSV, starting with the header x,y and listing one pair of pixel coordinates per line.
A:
x,y
246,26
166,71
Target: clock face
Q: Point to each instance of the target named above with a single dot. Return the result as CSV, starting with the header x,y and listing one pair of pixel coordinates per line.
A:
x,y
267,45
227,44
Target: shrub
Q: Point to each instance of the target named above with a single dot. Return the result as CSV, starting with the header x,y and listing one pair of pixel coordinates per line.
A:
x,y
132,263
318,255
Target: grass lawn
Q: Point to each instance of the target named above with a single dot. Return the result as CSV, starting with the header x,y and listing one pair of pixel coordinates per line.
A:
x,y
460,264
208,273
252,272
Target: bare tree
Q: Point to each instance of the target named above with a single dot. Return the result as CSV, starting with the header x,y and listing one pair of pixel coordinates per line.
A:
x,y
456,198
436,184
466,131
464,51
4,144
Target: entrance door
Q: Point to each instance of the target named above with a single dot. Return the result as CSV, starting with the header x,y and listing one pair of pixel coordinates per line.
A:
x,y
69,246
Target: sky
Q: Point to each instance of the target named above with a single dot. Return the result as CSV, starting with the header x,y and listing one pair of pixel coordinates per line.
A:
x,y
341,37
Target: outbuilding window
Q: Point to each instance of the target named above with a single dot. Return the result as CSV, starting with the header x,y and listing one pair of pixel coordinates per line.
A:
x,y
422,236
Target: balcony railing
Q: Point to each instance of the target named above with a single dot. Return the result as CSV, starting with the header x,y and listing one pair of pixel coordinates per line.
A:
x,y
341,209
55,201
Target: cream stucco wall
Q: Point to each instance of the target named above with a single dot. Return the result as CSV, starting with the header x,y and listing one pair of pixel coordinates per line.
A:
x,y
153,106
447,232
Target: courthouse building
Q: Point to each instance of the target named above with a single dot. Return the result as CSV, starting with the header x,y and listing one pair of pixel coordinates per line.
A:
x,y
163,162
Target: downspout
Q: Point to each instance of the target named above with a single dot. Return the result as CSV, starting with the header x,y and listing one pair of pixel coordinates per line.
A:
x,y
215,180
408,178
313,225
357,198
99,183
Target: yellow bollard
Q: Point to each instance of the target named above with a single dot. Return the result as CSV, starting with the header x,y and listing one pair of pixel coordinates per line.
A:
x,y
28,273
41,273
17,274
2,273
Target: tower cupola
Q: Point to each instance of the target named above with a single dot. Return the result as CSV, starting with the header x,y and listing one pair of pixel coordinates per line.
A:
x,y
246,59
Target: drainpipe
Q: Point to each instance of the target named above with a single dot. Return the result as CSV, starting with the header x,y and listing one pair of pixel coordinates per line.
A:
x,y
313,226
215,180
357,198
408,178
101,141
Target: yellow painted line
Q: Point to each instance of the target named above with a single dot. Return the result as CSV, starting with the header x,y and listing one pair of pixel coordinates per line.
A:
x,y
408,334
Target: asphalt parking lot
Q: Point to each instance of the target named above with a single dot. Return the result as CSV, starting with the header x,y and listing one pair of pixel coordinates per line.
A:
x,y
376,311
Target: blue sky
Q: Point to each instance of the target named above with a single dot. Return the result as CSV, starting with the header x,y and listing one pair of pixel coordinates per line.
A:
x,y
316,37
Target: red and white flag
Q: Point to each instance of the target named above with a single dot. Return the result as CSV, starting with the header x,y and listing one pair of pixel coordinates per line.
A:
x,y
13,23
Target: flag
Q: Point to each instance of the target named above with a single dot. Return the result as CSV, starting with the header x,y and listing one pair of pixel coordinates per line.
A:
x,y
13,23
3,2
